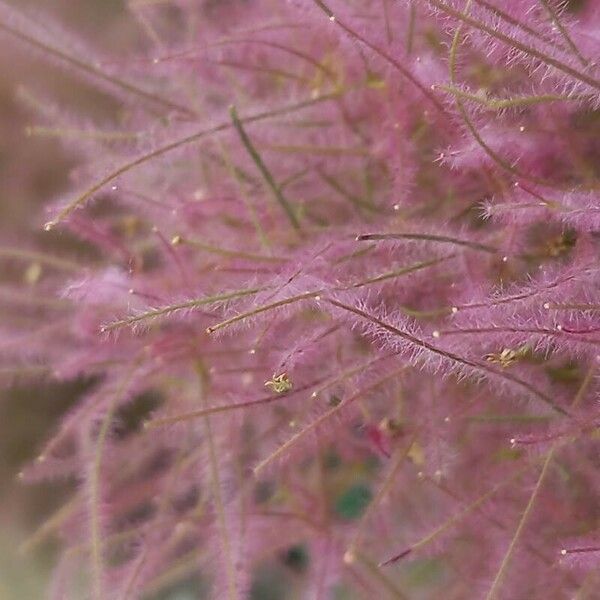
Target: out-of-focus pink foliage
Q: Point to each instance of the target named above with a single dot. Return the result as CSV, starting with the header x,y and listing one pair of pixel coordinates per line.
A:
x,y
342,318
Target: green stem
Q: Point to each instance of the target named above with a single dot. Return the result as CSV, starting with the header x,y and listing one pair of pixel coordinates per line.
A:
x,y
262,167
498,104
444,239
189,304
519,530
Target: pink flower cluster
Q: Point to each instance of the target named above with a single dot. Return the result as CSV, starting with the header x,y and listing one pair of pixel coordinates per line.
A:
x,y
341,318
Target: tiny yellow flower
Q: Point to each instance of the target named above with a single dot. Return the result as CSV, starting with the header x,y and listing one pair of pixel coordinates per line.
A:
x,y
280,384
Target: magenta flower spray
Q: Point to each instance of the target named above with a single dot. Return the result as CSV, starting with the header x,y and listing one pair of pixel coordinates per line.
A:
x,y
335,298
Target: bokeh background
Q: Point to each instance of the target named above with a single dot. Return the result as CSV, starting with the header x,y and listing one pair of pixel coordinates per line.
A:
x,y
33,170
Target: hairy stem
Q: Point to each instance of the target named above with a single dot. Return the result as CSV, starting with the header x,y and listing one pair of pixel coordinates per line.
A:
x,y
510,41
67,210
186,305
387,57
451,356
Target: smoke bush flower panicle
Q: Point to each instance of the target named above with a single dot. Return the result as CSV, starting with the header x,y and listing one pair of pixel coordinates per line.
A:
x,y
340,325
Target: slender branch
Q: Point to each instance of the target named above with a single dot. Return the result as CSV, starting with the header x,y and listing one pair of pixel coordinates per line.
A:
x,y
510,41
499,160
85,67
519,530
292,51
264,170
388,57
186,305
167,148
323,385
321,419
444,239
498,104
60,264
213,410
215,484
376,572
226,252
556,20
457,517
96,543
262,309
449,355
316,293
515,22
396,464
496,584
